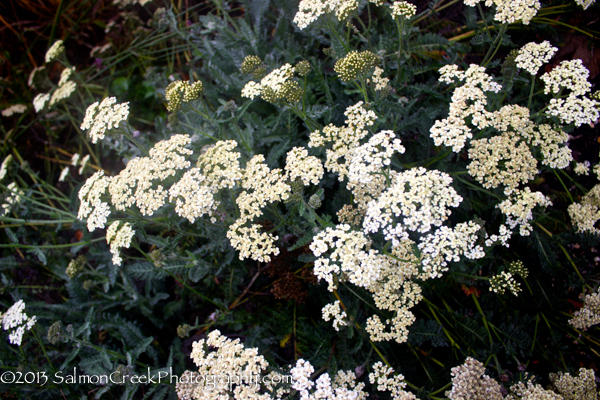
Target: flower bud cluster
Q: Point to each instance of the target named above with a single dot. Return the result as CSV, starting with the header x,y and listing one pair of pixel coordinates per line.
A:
x,y
355,64
179,92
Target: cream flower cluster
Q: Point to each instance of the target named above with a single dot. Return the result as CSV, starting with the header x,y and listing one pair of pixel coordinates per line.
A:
x,y
510,11
582,387
228,359
576,108
40,100
100,117
349,257
310,10
448,245
395,291
518,208
582,168
62,92
4,166
500,161
13,197
119,238
55,50
343,139
16,321
134,184
299,165
532,56
469,382
585,3
403,9
418,197
468,100
261,186
549,140
373,157
335,312
586,214
381,83
589,314
504,280
276,86
14,109
91,204
383,376
343,387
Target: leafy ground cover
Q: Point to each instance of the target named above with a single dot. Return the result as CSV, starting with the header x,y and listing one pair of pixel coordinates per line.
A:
x,y
330,199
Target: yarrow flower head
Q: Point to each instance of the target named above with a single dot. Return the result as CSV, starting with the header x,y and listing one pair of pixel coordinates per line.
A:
x,y
118,238
107,115
511,11
532,56
63,92
40,100
253,65
16,321
355,63
14,109
179,92
310,10
403,9
65,75
55,50
276,86
504,280
469,382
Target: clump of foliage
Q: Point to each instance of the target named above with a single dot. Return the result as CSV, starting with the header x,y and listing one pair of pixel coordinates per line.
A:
x,y
334,200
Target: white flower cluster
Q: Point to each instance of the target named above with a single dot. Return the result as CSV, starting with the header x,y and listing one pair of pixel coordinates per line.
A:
x,y
504,280
418,197
582,168
518,208
381,83
576,108
14,109
500,161
65,75
277,85
447,245
228,359
310,10
549,141
16,321
91,204
261,186
589,314
469,382
119,238
62,92
586,214
33,74
345,139
403,9
585,3
55,50
40,100
134,184
350,257
13,197
100,117
468,100
395,291
373,157
532,56
382,375
335,312
510,11
300,165
4,166
343,387
531,390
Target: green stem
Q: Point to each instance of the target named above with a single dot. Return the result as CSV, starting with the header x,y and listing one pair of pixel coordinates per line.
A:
x,y
531,91
484,21
495,46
